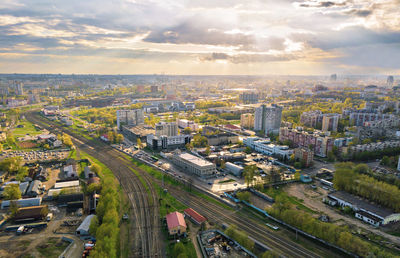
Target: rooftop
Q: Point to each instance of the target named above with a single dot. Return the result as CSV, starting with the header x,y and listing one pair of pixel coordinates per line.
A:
x,y
194,215
362,204
175,219
195,160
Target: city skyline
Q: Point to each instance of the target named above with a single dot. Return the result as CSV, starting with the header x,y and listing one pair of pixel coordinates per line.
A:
x,y
180,37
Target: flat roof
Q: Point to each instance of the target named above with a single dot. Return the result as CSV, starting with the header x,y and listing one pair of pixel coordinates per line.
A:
x,y
361,203
195,160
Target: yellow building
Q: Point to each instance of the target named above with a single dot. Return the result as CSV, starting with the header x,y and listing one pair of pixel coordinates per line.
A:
x,y
247,120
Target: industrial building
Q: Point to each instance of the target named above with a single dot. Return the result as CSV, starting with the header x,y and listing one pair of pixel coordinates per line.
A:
x,y
83,229
236,170
183,123
192,164
28,202
364,210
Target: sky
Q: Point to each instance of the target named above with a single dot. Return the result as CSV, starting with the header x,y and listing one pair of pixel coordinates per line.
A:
x,y
254,37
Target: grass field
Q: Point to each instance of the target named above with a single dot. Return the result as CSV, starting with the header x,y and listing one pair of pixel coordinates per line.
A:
x,y
53,247
28,128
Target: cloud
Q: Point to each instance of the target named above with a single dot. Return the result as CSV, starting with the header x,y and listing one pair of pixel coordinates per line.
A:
x,y
247,58
319,4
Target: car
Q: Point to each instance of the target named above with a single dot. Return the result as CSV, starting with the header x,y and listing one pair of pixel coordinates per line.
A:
x,y
234,184
209,183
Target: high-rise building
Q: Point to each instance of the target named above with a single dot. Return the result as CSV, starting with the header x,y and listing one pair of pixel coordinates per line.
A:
x,y
249,97
129,117
166,129
333,77
330,122
19,88
390,81
154,89
247,120
268,118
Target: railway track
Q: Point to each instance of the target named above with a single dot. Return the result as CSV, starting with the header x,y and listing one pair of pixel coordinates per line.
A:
x,y
145,227
146,209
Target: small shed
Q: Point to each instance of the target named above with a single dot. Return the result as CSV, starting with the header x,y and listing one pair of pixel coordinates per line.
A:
x,y
194,216
83,229
70,171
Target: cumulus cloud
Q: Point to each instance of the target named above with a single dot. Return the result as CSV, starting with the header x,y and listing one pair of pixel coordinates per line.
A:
x,y
205,31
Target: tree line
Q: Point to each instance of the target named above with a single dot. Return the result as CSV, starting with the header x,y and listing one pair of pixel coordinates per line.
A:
x,y
105,226
354,179
335,234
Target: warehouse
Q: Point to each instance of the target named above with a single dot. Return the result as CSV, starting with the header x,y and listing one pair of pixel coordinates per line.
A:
x,y
194,216
83,229
193,164
34,188
364,210
31,213
234,169
23,202
66,184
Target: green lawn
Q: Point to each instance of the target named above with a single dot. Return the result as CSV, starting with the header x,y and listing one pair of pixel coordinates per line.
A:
x,y
28,128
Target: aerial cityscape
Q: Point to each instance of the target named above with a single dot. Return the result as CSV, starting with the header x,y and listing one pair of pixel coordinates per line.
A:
x,y
205,129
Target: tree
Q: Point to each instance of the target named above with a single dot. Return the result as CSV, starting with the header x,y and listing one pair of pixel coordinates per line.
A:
x,y
248,150
13,208
243,196
94,224
95,168
249,172
119,138
11,165
179,249
139,143
12,192
187,130
208,150
66,139
22,173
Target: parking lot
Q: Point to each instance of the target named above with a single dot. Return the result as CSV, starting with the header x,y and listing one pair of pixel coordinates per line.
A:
x,y
32,156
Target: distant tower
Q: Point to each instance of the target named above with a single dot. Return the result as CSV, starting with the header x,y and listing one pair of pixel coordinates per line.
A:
x,y
333,77
288,83
390,81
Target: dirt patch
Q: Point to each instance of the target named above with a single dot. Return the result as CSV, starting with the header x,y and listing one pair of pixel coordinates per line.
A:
x,y
27,145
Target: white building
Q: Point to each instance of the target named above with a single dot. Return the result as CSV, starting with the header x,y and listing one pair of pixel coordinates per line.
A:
x,y
266,147
268,119
129,117
183,123
167,142
194,165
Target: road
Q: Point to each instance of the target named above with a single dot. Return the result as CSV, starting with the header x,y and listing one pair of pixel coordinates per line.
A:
x,y
147,227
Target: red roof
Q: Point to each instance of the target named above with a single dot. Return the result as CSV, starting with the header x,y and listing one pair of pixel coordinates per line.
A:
x,y
232,127
194,215
175,219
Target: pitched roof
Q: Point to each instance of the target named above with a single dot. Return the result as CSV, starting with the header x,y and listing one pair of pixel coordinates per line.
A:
x,y
194,215
175,219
